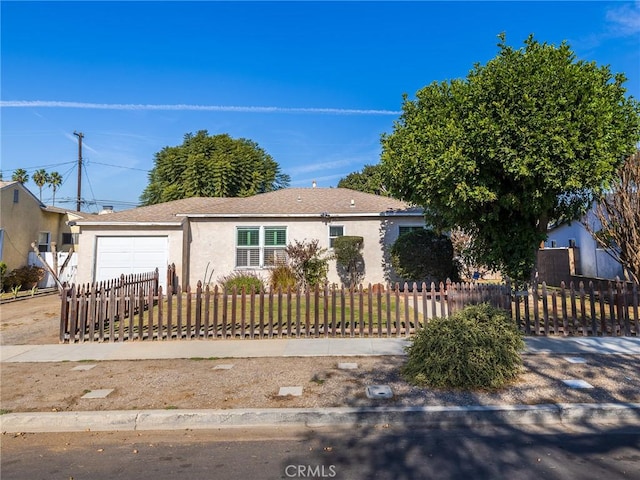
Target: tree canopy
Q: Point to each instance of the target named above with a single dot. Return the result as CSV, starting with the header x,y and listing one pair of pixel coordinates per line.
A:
x,y
20,175
533,135
424,256
369,180
212,166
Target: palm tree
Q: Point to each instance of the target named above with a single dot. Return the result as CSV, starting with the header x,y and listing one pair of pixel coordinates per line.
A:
x,y
55,180
20,175
40,177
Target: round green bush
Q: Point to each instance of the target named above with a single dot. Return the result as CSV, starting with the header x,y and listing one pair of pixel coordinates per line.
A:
x,y
476,348
242,281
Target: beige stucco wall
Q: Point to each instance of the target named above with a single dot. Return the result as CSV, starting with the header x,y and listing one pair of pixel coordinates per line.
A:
x,y
22,222
213,242
87,244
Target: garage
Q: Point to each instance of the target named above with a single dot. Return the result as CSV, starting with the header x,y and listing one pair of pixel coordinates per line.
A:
x,y
126,255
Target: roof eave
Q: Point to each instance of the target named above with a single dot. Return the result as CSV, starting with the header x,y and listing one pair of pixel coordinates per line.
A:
x,y
300,215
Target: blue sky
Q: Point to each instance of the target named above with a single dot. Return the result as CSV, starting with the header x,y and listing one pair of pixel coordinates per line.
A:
x,y
313,83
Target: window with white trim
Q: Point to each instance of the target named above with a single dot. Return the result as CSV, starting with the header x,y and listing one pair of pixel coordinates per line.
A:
x,y
44,239
402,229
275,242
335,231
258,247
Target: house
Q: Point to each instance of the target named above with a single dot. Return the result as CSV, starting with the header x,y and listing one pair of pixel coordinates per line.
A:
x,y
571,250
24,220
223,235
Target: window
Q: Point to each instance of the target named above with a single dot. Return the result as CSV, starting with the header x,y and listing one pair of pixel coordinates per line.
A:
x,y
260,246
335,231
16,196
554,244
43,241
69,238
572,242
275,242
406,229
248,247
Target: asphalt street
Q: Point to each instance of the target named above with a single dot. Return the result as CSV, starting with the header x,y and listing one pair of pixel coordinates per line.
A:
x,y
381,452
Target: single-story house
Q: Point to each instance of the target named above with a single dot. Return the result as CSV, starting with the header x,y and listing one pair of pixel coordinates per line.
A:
x,y
24,220
224,235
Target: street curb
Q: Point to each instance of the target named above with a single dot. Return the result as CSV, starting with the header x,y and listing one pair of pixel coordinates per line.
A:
x,y
436,416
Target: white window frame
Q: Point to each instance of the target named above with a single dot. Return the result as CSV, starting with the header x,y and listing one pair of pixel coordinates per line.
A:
x,y
46,244
333,237
411,228
264,252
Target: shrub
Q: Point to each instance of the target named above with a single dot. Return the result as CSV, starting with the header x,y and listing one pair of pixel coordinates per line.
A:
x,y
476,348
309,262
241,280
24,277
423,255
282,277
3,271
348,255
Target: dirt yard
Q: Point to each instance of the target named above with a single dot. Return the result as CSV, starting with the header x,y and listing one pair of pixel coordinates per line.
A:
x,y
255,382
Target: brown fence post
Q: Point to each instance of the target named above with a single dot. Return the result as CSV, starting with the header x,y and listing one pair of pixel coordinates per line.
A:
x,y
545,308
198,309
536,312
150,298
188,327
160,314
583,307
169,311
563,300
592,302
621,307
612,314
635,309
64,313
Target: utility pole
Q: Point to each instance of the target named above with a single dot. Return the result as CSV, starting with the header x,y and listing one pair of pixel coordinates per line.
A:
x,y
78,200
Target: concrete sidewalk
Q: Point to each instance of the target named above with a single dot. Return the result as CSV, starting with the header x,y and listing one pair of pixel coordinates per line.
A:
x,y
319,347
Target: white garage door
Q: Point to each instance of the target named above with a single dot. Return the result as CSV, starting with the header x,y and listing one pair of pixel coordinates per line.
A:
x,y
125,255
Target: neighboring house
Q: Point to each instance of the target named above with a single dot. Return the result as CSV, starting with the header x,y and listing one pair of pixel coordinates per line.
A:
x,y
588,259
224,235
24,220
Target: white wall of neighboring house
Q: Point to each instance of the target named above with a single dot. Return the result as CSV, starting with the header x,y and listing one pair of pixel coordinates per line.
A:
x,y
593,261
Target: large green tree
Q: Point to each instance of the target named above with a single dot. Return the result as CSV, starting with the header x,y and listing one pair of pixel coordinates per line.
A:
x,y
531,136
212,166
369,180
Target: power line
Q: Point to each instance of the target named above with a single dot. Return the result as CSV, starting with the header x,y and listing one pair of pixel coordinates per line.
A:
x,y
33,169
118,166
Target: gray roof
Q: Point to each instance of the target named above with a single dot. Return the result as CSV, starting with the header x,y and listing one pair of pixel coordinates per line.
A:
x,y
289,202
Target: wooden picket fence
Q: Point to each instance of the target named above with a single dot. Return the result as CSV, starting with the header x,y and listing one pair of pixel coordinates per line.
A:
x,y
90,309
124,312
579,310
95,313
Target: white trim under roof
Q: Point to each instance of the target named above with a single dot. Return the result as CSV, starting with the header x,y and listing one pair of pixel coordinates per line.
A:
x,y
127,224
300,215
